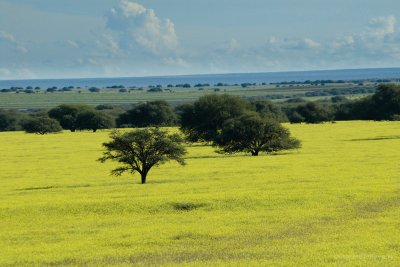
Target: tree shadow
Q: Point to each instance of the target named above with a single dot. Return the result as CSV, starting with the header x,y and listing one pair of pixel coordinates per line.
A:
x,y
378,138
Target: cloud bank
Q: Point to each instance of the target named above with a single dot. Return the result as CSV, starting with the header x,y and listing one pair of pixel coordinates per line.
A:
x,y
131,39
139,27
9,40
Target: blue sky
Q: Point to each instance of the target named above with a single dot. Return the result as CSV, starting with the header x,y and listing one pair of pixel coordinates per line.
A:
x,y
114,38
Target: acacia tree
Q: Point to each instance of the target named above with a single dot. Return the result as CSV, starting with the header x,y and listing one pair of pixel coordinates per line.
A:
x,y
252,134
140,150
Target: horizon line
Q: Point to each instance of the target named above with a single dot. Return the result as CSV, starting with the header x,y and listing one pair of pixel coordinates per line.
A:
x,y
198,74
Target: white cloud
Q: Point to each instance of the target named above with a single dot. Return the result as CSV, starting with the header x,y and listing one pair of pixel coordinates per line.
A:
x,y
137,26
4,73
72,43
311,43
10,40
177,61
16,73
382,26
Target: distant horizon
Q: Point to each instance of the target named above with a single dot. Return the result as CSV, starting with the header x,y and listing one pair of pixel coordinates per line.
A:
x,y
204,74
226,78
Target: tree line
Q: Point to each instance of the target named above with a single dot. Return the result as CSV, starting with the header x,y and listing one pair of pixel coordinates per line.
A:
x,y
227,122
207,112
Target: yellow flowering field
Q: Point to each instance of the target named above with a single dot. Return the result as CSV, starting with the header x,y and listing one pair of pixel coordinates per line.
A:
x,y
334,202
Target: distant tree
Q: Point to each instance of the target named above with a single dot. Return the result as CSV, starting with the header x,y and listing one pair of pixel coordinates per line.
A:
x,y
295,100
361,109
8,121
153,113
294,116
339,99
155,90
94,90
66,115
250,133
93,120
268,109
385,102
314,112
41,125
202,120
104,107
140,150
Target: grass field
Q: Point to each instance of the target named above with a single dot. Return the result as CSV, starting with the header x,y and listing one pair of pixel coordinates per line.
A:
x,y
334,202
176,95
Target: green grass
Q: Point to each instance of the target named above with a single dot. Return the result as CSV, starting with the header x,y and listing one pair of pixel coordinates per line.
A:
x,y
334,202
178,95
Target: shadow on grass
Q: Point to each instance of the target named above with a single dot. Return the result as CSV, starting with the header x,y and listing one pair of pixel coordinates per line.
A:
x,y
187,206
370,207
52,187
378,138
248,155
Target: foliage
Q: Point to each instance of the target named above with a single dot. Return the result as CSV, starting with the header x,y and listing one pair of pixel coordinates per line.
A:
x,y
9,120
66,115
93,120
82,117
154,113
385,102
41,125
311,112
269,110
94,90
141,150
202,120
250,133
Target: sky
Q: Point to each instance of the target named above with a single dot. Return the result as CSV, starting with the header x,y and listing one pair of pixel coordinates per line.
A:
x,y
122,38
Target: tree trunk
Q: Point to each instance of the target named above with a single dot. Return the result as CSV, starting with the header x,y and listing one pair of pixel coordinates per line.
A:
x,y
144,176
254,153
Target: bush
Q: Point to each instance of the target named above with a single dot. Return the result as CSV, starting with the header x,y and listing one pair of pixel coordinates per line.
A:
x,y
41,125
154,113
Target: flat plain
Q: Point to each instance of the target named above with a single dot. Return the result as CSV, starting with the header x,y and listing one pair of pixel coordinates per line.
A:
x,y
334,202
177,95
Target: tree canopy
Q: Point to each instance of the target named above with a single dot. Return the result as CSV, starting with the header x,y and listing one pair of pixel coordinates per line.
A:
x,y
268,109
140,150
66,115
253,134
9,121
93,120
41,125
153,113
385,103
81,117
202,120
